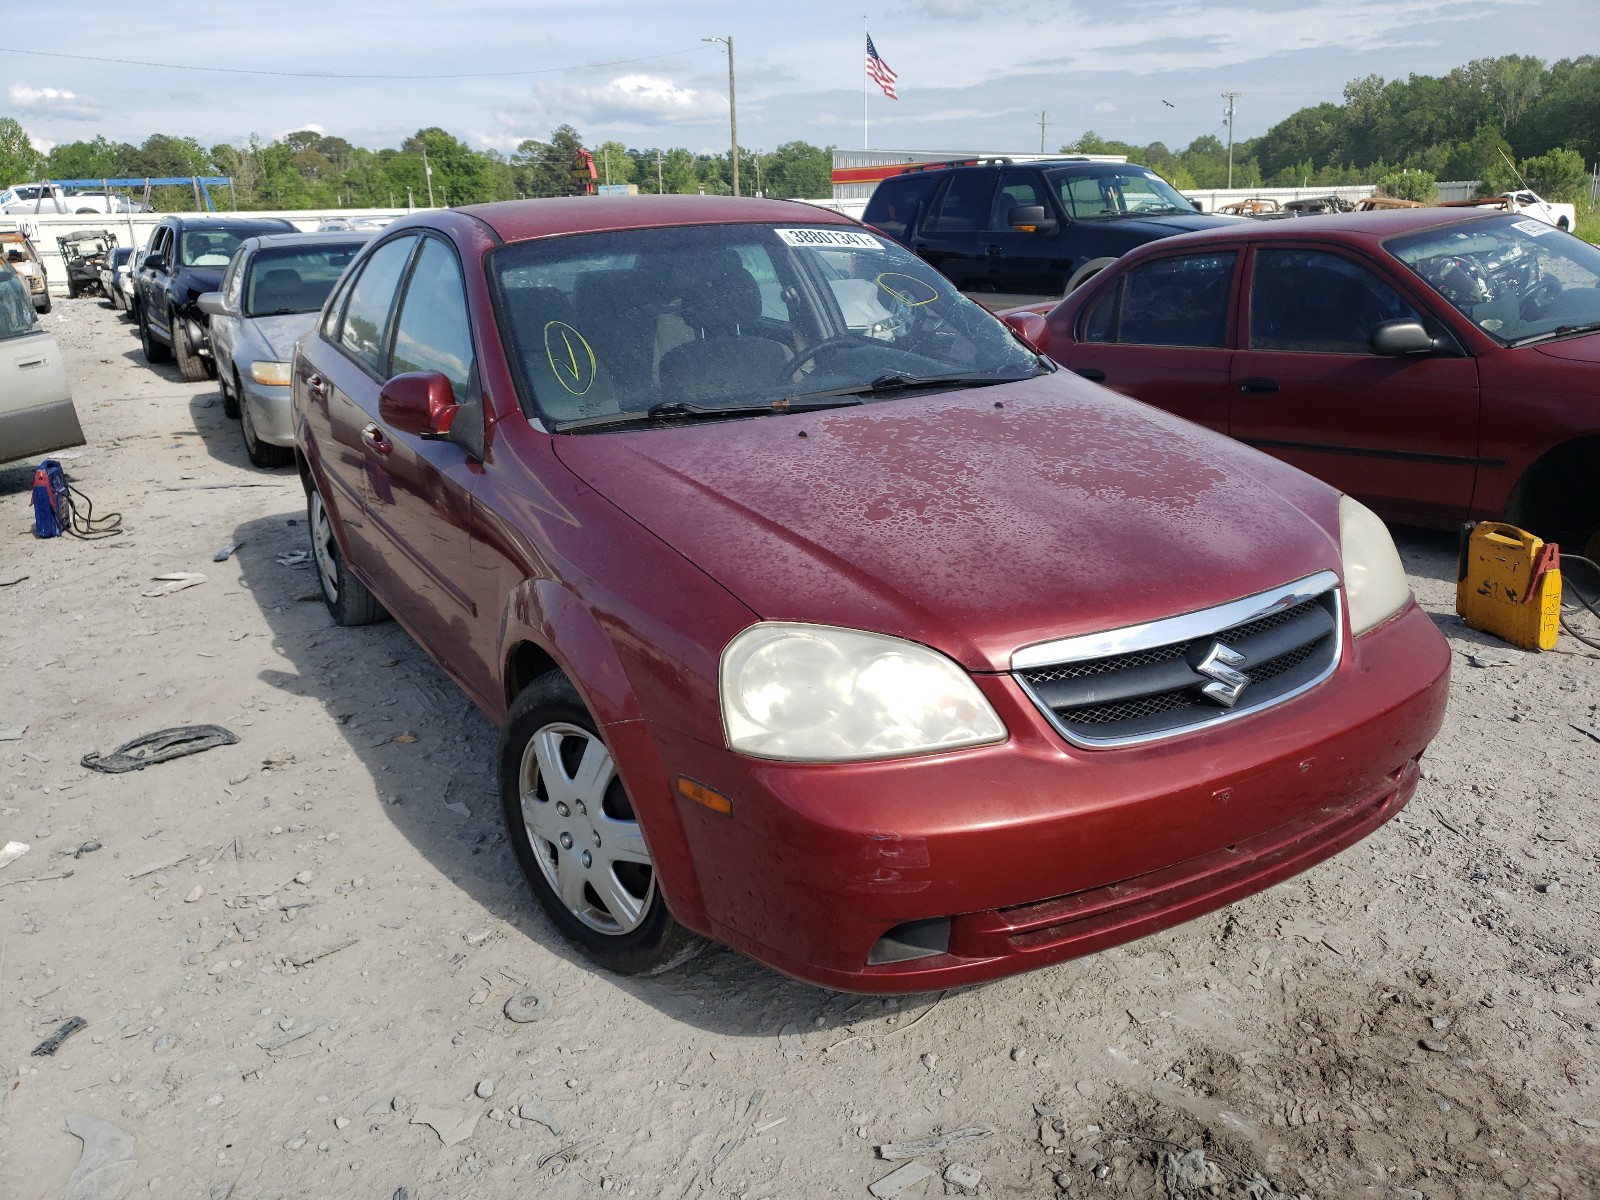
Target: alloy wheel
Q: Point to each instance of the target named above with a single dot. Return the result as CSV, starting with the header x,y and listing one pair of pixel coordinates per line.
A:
x,y
583,831
324,549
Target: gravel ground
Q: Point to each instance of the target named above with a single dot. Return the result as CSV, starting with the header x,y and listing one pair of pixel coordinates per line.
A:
x,y
293,954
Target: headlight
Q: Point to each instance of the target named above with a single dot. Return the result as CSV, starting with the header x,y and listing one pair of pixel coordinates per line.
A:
x,y
819,694
1375,584
270,372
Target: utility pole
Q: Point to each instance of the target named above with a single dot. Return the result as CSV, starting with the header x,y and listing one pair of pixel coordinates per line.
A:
x,y
733,110
1230,97
427,172
1041,132
660,188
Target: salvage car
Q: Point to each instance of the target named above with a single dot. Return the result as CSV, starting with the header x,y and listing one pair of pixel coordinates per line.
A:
x,y
1437,366
871,644
83,251
36,410
185,258
270,295
25,261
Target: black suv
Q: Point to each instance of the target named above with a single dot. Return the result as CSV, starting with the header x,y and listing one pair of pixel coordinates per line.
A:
x,y
1035,229
186,258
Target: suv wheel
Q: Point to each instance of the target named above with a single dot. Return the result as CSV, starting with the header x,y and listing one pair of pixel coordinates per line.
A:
x,y
154,351
573,829
190,365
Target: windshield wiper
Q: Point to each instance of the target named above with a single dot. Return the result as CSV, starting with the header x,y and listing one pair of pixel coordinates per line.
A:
x,y
901,381
1560,331
683,410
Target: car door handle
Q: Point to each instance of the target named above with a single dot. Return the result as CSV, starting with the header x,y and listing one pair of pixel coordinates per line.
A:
x,y
375,438
24,363
992,251
1258,387
1092,374
317,386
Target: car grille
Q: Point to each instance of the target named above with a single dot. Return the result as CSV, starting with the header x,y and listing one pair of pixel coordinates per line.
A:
x,y
1280,643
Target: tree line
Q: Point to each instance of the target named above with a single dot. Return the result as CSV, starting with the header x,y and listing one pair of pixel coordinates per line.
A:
x,y
309,169
1473,123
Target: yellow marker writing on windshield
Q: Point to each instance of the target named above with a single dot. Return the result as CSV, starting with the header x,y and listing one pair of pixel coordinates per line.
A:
x,y
908,289
576,374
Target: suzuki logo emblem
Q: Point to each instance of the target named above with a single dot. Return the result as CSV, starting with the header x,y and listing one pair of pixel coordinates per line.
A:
x,y
1221,665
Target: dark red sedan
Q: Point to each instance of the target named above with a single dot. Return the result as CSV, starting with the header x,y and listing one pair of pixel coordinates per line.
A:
x,y
1435,366
823,617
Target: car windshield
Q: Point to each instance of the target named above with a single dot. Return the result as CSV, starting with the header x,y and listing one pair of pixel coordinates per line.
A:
x,y
16,310
1102,192
295,279
1515,278
608,329
208,247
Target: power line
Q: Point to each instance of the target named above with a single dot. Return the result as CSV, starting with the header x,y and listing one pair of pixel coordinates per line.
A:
x,y
135,62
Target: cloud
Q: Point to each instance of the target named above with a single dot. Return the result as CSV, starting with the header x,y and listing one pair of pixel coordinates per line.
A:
x,y
629,103
54,102
1101,107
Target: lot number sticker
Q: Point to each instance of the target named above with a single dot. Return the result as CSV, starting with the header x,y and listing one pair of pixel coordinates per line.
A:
x,y
1533,228
848,238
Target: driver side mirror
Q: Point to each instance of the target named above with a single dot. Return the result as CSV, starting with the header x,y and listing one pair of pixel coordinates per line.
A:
x,y
1031,328
1030,218
421,403
1393,339
213,304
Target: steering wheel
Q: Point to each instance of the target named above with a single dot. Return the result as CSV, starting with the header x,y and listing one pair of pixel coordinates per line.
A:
x,y
1539,297
1463,280
839,341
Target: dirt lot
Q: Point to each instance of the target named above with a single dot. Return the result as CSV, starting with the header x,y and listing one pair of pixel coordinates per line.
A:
x,y
1416,1017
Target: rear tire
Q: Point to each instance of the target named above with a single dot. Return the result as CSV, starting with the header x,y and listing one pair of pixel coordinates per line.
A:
x,y
348,600
154,351
48,303
190,365
577,839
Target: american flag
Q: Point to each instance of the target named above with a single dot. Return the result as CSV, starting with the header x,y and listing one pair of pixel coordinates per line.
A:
x,y
878,71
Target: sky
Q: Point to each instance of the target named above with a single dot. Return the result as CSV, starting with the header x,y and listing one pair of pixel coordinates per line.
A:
x,y
973,74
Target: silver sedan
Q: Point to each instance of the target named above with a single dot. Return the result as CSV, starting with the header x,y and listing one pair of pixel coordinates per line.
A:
x,y
271,294
36,412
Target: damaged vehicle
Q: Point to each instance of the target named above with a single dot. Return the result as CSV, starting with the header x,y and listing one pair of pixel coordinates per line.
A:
x,y
185,258
823,617
84,252
19,253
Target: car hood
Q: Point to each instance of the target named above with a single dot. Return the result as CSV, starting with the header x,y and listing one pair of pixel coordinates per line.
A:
x,y
278,334
1166,226
1584,349
975,521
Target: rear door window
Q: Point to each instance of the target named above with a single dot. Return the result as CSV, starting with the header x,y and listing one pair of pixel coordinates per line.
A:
x,y
964,206
1177,301
366,313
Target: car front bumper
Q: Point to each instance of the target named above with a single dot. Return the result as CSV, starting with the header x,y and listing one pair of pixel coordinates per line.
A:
x,y
1034,851
269,410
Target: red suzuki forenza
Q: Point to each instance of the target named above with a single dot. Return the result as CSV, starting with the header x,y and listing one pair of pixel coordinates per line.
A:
x,y
824,618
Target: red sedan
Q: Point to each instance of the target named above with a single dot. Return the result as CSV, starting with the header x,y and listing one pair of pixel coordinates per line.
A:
x,y
1434,365
824,618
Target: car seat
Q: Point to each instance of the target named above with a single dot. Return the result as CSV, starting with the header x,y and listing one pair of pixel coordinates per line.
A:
x,y
279,290
728,356
569,378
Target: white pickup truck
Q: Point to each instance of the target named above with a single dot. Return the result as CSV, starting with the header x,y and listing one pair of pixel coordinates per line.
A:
x,y
53,198
1562,216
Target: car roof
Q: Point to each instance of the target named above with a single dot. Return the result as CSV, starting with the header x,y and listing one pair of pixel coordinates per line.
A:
x,y
1346,227
266,241
204,223
519,220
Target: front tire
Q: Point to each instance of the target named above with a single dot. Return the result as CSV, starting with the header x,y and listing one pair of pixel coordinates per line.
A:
x,y
262,454
576,837
230,395
348,600
190,364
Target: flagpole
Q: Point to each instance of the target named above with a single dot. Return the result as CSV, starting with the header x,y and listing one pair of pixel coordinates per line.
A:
x,y
864,36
